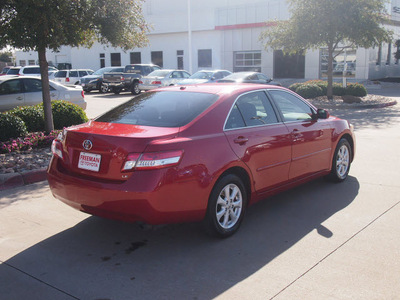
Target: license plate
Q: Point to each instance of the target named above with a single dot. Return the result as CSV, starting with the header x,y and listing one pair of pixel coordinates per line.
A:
x,y
89,161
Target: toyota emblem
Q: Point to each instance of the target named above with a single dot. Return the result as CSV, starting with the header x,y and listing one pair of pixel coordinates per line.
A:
x,y
87,144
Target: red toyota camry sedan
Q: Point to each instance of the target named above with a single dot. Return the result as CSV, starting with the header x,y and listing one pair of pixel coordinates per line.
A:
x,y
198,152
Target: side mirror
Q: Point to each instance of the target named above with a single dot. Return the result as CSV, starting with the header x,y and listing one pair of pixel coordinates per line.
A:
x,y
322,113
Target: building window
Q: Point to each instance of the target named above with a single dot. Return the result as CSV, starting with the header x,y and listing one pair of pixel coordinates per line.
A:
x,y
102,60
205,58
247,61
179,56
115,59
136,57
22,63
343,59
31,62
157,58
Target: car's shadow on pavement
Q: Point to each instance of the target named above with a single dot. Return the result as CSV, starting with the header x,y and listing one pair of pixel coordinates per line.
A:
x,y
103,259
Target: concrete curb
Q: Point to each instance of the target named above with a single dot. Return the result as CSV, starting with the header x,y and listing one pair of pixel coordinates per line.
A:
x,y
13,180
380,105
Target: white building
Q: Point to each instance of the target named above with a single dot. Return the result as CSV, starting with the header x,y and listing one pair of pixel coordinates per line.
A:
x,y
224,34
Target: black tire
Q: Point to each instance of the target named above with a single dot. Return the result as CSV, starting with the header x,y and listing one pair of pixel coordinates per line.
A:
x,y
341,161
135,88
103,89
224,215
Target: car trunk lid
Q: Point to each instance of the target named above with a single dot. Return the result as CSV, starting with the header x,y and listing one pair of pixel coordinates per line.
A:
x,y
100,149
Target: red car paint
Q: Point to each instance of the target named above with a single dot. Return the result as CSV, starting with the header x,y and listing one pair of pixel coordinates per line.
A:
x,y
268,158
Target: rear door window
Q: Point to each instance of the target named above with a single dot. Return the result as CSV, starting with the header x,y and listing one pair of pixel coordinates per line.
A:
x,y
31,71
251,109
73,73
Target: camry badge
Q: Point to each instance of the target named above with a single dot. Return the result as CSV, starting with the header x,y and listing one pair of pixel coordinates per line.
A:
x,y
87,144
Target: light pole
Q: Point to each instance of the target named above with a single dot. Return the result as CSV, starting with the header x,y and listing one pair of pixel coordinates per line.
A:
x,y
190,36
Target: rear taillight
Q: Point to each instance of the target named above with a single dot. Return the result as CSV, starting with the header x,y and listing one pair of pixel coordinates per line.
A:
x,y
122,78
156,82
67,79
152,160
141,82
83,94
56,149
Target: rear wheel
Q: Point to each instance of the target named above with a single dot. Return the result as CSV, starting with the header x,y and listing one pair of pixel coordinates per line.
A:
x,y
135,88
341,161
226,206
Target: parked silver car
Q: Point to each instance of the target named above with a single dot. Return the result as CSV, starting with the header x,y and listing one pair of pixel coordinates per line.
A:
x,y
205,76
160,78
27,90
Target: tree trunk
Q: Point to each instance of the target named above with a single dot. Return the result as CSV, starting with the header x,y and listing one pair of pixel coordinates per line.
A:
x,y
329,92
44,72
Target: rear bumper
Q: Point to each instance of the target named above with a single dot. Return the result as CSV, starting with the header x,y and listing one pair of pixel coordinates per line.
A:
x,y
149,197
144,87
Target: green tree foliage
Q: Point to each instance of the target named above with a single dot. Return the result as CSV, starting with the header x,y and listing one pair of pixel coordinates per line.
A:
x,y
5,56
49,24
332,24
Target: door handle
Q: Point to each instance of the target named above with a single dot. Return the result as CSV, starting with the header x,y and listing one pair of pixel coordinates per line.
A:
x,y
241,140
296,135
53,95
20,98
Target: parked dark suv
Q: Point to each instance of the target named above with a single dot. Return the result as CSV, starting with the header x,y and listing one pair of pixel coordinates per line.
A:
x,y
95,81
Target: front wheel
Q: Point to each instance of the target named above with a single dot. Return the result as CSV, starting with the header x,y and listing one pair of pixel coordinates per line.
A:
x,y
103,89
341,161
226,207
135,88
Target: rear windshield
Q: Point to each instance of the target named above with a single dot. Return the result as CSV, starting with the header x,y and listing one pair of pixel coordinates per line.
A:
x,y
13,72
159,73
102,71
60,74
160,109
201,75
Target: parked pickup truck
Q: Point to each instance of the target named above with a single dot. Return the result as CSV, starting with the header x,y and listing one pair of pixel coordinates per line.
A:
x,y
129,79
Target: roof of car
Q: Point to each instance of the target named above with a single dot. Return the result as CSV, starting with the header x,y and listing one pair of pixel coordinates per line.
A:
x,y
220,88
76,70
8,77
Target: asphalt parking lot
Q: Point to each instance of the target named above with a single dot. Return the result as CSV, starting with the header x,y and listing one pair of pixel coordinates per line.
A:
x,y
318,241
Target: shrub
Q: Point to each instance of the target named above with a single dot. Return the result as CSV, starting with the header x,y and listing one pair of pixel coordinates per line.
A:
x,y
322,84
308,91
338,89
294,86
33,117
356,89
11,127
66,114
